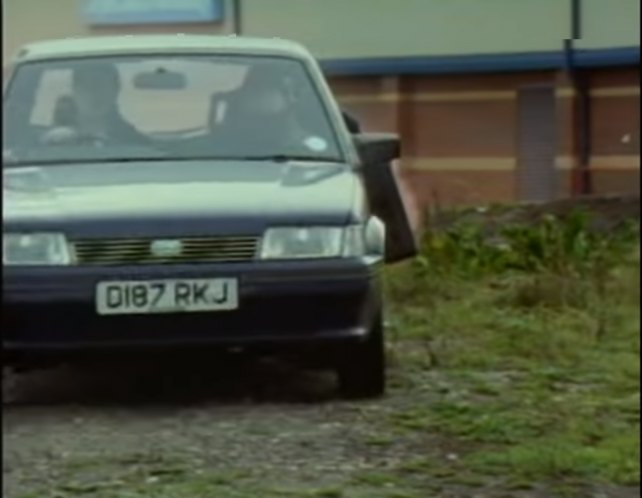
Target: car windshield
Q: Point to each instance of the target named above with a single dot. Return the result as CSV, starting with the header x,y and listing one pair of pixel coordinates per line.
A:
x,y
165,108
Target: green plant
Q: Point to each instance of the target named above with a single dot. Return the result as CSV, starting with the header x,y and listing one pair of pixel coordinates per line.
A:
x,y
565,246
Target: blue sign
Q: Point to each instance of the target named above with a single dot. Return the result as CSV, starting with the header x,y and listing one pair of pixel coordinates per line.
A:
x,y
119,12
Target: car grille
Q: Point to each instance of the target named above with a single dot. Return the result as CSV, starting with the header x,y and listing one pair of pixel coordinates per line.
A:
x,y
139,251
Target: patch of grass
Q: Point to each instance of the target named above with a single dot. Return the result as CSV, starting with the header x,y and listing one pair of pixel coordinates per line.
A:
x,y
545,290
558,309
482,422
612,460
393,483
377,479
419,465
328,493
380,440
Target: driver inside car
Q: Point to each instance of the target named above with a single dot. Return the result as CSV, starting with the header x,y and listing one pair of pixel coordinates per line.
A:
x,y
263,109
95,91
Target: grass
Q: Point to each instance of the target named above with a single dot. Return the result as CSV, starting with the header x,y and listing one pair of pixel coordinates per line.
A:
x,y
542,359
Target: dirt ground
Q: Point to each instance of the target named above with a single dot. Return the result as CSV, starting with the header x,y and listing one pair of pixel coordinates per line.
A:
x,y
238,430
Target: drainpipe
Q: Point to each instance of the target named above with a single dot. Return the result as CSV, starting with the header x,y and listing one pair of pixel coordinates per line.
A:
x,y
581,89
584,134
236,7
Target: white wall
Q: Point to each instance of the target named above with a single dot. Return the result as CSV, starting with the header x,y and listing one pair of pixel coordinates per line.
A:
x,y
25,21
610,23
367,28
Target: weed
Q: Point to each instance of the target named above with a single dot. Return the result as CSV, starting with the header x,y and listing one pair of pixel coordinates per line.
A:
x,y
562,246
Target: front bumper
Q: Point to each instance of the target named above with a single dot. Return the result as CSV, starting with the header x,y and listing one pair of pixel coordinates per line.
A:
x,y
52,309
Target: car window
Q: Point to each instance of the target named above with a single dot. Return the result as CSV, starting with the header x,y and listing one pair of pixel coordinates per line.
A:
x,y
170,107
140,106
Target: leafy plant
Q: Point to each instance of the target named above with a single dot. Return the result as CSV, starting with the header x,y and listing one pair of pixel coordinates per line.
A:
x,y
562,246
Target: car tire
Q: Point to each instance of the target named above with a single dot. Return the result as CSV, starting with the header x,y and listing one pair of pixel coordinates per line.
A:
x,y
362,368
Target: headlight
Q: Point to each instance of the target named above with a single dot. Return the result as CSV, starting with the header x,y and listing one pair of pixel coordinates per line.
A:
x,y
314,242
35,249
375,236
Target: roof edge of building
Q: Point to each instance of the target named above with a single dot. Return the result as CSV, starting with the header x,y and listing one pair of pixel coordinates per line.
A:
x,y
481,63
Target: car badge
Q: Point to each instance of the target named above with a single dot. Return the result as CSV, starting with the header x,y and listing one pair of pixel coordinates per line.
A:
x,y
167,248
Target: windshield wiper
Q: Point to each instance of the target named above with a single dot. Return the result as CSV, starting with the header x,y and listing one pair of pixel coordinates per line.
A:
x,y
85,160
278,158
284,158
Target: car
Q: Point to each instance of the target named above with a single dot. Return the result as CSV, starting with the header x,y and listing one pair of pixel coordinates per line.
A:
x,y
198,194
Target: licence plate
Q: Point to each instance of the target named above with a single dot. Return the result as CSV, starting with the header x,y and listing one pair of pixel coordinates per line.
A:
x,y
166,296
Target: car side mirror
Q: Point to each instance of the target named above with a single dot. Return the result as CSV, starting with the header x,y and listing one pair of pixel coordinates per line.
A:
x,y
351,123
377,148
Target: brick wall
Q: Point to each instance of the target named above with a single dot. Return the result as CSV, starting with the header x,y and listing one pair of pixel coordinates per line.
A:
x,y
615,130
459,133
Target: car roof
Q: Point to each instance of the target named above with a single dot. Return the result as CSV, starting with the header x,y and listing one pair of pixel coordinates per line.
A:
x,y
159,44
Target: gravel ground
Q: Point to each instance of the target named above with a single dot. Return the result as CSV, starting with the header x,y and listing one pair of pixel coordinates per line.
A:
x,y
284,426
254,429
242,430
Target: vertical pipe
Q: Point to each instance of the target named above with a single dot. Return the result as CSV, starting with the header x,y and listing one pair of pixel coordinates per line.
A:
x,y
576,19
584,135
583,105
236,7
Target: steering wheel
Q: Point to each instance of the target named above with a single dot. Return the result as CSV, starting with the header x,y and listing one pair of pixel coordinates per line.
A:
x,y
97,140
66,135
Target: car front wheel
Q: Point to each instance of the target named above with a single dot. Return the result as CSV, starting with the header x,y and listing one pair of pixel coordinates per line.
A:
x,y
362,368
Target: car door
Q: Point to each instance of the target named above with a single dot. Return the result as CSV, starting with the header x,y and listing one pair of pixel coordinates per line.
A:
x,y
377,152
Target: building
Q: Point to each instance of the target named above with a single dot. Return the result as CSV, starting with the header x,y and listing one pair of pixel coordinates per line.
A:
x,y
500,100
